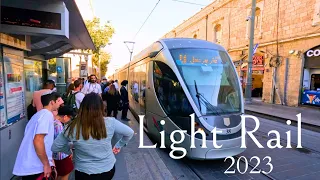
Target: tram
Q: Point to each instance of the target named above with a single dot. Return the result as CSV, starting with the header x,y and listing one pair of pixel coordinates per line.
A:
x,y
174,78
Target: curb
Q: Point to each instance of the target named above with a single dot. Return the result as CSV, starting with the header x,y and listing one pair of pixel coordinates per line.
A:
x,y
304,125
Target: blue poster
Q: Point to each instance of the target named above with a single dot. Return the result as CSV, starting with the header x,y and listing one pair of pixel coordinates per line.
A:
x,y
311,97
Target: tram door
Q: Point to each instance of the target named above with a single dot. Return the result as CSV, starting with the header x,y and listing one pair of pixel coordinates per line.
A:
x,y
143,85
138,86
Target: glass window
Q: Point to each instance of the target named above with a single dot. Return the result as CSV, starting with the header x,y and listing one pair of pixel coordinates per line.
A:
x,y
143,78
169,91
315,82
210,78
217,33
257,18
33,78
135,86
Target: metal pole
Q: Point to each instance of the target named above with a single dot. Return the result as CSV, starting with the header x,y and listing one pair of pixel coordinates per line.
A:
x,y
249,72
131,51
129,65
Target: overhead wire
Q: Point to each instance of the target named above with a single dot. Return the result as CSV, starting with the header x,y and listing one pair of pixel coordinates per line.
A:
x,y
189,3
146,20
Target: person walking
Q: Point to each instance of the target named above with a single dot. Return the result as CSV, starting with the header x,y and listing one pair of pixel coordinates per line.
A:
x,y
75,98
91,134
125,100
113,99
34,157
116,84
92,86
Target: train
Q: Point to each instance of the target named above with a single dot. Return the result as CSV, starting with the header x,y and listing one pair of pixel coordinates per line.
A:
x,y
174,78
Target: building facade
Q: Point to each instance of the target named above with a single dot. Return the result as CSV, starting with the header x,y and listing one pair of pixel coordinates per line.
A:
x,y
286,63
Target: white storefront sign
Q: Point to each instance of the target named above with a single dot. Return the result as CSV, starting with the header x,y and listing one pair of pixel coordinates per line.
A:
x,y
315,53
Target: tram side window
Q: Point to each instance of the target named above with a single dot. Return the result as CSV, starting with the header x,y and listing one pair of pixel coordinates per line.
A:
x,y
169,91
135,83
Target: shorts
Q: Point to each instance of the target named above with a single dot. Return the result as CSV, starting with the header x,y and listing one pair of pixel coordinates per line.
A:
x,y
64,166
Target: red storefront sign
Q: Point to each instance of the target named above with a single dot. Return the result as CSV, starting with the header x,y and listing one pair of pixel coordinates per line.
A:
x,y
257,64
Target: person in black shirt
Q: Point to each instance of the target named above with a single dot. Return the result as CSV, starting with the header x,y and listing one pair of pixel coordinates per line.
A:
x,y
125,100
113,99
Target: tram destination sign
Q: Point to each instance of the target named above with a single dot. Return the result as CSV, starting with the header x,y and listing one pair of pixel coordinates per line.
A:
x,y
30,18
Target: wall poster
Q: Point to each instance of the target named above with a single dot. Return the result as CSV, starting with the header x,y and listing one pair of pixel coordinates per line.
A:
x,y
3,118
15,90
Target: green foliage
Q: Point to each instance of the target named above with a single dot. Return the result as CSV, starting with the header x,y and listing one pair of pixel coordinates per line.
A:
x,y
104,61
101,35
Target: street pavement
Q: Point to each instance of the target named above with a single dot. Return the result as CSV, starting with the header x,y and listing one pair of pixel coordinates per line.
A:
x,y
309,115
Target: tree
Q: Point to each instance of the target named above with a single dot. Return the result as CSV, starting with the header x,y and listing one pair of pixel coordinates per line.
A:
x,y
52,65
104,61
101,35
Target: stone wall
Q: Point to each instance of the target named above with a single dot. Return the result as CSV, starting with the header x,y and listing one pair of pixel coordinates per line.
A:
x,y
295,25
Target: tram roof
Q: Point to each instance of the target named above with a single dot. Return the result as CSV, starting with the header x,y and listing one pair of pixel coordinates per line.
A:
x,y
173,43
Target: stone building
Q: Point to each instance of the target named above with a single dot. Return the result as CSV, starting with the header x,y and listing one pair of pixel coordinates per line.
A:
x,y
287,33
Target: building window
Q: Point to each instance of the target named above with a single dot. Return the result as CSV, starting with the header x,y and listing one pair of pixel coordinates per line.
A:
x,y
217,34
257,18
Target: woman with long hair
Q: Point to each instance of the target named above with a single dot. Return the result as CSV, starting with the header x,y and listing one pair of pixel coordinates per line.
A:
x,y
113,99
91,134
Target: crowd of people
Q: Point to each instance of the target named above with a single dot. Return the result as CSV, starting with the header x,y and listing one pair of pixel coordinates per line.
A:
x,y
73,131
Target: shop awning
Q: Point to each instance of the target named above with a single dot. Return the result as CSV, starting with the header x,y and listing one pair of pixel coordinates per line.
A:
x,y
54,45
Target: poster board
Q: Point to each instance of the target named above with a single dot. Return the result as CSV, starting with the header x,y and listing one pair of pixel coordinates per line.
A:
x,y
15,87
3,118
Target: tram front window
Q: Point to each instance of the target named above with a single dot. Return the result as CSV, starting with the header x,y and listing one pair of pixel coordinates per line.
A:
x,y
210,78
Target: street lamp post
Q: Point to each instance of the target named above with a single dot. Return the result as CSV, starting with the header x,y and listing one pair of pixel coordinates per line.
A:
x,y
131,51
248,92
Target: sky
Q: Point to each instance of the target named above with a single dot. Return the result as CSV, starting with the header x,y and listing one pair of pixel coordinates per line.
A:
x,y
127,16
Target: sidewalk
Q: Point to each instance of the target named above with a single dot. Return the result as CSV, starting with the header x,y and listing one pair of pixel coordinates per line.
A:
x,y
308,115
134,163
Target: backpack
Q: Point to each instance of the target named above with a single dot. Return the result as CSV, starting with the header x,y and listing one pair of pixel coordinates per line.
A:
x,y
65,96
31,110
71,101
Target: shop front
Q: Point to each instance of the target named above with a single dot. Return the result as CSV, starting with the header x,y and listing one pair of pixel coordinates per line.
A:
x,y
30,35
311,77
257,75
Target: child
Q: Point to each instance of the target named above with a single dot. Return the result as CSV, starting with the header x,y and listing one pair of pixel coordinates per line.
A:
x,y
62,161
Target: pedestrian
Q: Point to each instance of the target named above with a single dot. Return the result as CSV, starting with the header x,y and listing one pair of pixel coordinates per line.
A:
x,y
75,98
63,162
113,99
91,134
116,84
34,157
48,86
68,92
125,100
92,86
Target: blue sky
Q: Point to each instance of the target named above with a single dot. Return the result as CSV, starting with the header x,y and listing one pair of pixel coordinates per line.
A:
x,y
127,16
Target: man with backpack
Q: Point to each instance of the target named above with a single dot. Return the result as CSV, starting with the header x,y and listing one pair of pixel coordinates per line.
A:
x,y
76,96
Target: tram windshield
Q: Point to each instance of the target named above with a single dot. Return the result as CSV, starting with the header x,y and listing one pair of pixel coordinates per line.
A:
x,y
210,78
